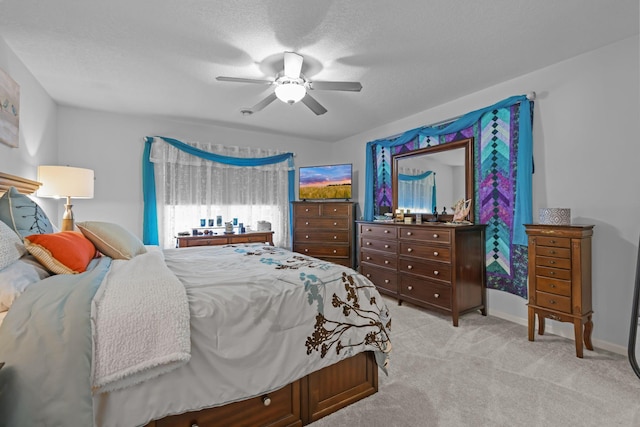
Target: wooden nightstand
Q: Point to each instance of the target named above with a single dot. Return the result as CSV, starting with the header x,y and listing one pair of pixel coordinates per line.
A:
x,y
225,239
560,278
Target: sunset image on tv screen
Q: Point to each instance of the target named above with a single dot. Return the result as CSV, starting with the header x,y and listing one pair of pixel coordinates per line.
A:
x,y
325,182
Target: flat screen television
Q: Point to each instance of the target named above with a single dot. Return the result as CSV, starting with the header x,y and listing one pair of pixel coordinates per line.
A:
x,y
325,182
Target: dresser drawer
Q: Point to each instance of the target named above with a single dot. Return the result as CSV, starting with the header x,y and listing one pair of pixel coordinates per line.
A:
x,y
384,259
553,272
341,236
311,209
335,209
432,234
544,261
553,252
283,409
553,286
306,223
380,276
557,242
321,250
378,245
434,270
425,291
553,302
430,252
369,230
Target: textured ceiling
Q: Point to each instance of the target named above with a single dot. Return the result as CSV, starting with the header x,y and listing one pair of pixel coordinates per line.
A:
x,y
161,57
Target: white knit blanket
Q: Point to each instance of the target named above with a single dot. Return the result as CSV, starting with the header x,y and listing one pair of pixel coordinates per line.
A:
x,y
140,323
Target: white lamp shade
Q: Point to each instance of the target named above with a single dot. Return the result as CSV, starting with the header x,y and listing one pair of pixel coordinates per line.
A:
x,y
290,92
65,181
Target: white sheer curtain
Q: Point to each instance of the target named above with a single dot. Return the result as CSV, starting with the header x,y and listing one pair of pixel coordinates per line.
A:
x,y
189,188
417,194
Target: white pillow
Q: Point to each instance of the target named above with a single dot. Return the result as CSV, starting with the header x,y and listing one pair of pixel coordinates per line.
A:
x,y
15,278
11,246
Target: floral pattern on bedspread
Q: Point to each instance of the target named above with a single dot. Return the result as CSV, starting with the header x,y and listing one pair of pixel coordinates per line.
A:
x,y
359,307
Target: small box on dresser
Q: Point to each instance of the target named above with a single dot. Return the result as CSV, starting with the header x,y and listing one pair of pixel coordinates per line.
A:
x,y
325,230
560,279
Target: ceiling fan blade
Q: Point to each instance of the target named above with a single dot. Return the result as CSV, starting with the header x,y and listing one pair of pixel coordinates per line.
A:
x,y
348,86
260,105
241,80
292,65
313,105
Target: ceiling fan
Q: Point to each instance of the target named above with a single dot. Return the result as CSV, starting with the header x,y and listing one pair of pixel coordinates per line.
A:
x,y
292,86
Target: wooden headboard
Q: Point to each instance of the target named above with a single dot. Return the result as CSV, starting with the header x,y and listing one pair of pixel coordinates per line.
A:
x,y
23,185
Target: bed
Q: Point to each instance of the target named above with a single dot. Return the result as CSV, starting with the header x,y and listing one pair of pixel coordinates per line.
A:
x,y
245,334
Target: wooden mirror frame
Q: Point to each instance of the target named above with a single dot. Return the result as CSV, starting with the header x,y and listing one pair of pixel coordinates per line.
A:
x,y
467,144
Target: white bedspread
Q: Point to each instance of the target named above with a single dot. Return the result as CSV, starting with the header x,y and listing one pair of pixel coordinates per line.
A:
x,y
261,317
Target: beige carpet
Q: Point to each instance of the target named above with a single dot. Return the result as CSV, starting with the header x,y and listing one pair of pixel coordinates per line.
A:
x,y
487,373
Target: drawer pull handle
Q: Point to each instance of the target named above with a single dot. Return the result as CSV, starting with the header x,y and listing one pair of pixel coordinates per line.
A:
x,y
436,295
306,237
335,210
306,250
409,250
386,246
368,243
409,288
368,229
306,223
553,241
306,210
386,280
551,301
335,251
552,252
266,400
386,231
386,261
368,275
551,285
551,273
435,236
435,253
195,425
368,258
409,233
335,237
335,223
409,267
436,272
552,262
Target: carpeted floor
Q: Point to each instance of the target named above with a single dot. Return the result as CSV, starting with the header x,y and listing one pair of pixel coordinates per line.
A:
x,y
487,373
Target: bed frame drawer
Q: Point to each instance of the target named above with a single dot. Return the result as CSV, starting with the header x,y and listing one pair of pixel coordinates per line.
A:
x,y
282,410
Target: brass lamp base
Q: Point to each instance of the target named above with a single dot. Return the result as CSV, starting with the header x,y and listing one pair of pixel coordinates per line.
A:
x,y
67,218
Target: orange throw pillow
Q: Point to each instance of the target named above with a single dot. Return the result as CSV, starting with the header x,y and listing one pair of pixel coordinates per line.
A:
x,y
65,252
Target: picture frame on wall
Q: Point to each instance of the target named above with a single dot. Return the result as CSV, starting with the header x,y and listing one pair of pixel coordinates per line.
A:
x,y
9,110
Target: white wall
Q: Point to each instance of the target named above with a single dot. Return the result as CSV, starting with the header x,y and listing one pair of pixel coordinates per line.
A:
x,y
38,126
586,151
112,145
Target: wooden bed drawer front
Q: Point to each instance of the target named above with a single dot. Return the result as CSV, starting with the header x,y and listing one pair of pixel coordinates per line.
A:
x,y
371,231
434,270
380,276
383,259
555,273
321,250
557,242
283,410
425,234
426,291
553,252
326,223
341,236
553,302
554,286
544,261
434,253
380,245
306,209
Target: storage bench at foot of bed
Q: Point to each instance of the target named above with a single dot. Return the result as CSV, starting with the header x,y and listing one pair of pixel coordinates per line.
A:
x,y
299,403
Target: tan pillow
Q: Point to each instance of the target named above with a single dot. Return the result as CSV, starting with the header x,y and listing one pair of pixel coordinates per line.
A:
x,y
111,239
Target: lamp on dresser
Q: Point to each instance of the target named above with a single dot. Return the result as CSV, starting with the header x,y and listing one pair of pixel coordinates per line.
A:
x,y
65,181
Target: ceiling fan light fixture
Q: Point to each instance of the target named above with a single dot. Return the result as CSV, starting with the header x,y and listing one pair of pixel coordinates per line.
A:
x,y
290,91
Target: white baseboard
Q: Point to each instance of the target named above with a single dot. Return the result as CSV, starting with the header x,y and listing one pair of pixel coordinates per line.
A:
x,y
564,330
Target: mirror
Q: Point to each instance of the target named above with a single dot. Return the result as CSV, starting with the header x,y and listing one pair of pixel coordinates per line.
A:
x,y
437,176
634,342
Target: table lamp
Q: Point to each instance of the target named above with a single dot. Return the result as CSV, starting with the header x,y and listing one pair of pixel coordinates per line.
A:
x,y
65,181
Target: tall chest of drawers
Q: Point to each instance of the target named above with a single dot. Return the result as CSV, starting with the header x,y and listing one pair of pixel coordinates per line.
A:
x,y
325,230
437,266
560,279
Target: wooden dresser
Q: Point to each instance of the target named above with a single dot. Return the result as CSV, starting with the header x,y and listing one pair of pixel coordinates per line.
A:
x,y
439,266
560,278
225,239
325,230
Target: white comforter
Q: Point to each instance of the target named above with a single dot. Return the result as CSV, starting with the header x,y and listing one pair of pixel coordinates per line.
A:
x,y
255,327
